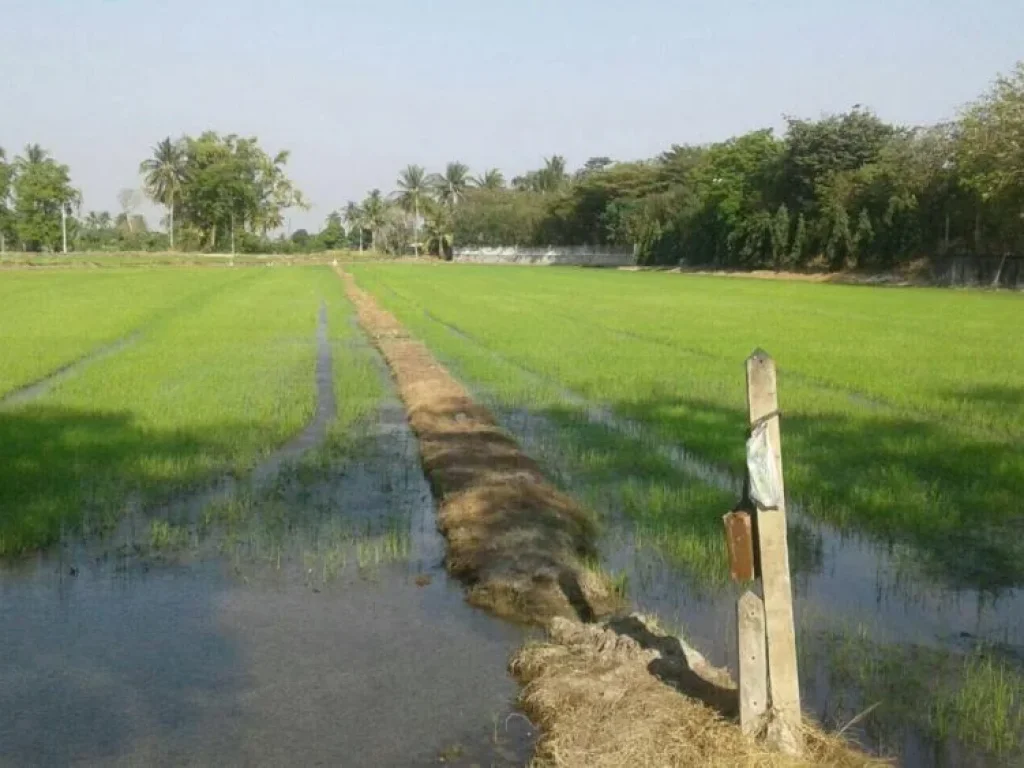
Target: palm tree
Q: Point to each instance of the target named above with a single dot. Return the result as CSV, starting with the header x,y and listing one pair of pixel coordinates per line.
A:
x,y
491,179
438,228
451,186
412,188
375,216
552,176
163,176
34,155
354,220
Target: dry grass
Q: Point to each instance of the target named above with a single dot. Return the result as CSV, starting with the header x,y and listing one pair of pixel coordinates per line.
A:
x,y
608,695
519,544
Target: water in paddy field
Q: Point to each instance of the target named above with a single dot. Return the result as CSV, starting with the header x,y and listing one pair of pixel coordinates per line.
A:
x,y
873,628
311,623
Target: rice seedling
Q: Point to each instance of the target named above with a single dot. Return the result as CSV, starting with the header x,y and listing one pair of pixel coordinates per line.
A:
x,y
903,409
217,382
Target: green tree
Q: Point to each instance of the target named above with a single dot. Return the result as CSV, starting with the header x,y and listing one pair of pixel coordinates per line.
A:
x,y
450,187
780,237
439,229
863,237
553,176
491,179
333,234
835,222
990,155
375,216
43,198
355,221
164,174
412,189
817,150
796,249
231,185
6,212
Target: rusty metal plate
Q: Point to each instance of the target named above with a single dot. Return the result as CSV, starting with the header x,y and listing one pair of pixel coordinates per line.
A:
x,y
739,539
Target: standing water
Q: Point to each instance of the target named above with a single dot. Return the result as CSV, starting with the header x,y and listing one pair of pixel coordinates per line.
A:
x,y
305,620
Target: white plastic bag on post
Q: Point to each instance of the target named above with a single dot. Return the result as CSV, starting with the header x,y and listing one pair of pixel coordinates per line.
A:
x,y
765,483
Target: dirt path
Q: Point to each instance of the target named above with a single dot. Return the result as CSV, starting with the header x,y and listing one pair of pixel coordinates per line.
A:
x,y
619,692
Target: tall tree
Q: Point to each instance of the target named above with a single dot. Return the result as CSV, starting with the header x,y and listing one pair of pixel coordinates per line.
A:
x,y
333,234
553,176
990,153
375,216
163,177
491,179
355,220
231,184
43,199
6,214
412,189
450,186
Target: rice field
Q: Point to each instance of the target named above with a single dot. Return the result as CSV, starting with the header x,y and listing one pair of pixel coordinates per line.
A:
x,y
903,409
902,427
218,373
173,416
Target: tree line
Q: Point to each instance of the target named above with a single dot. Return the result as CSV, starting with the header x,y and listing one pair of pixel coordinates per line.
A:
x,y
843,191
219,193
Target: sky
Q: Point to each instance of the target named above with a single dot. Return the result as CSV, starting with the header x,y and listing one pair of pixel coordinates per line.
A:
x,y
358,90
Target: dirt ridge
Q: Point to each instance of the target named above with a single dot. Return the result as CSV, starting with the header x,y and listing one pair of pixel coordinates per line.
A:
x,y
521,547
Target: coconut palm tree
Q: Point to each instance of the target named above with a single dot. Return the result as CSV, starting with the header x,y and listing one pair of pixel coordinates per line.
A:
x,y
375,216
450,186
412,188
34,155
552,176
354,220
163,176
491,179
438,226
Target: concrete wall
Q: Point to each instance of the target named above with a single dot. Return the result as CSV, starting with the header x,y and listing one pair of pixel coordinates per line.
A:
x,y
570,255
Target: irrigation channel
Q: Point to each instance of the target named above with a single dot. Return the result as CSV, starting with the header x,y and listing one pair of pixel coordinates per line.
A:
x,y
300,616
908,664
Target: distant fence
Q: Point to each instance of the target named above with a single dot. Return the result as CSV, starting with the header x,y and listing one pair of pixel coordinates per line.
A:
x,y
569,255
981,271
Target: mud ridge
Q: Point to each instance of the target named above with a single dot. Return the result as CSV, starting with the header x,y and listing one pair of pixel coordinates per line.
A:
x,y
522,548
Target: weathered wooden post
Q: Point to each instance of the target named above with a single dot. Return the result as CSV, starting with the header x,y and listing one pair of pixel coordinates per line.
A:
x,y
766,633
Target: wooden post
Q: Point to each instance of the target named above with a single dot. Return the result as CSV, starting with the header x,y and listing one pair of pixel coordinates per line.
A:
x,y
753,680
784,727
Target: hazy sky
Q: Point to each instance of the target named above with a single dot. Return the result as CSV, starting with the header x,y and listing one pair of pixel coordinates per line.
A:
x,y
356,90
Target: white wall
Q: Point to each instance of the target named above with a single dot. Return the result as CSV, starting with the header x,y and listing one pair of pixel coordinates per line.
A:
x,y
569,255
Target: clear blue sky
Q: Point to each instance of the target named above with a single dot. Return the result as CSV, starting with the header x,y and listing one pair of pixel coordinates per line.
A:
x,y
356,90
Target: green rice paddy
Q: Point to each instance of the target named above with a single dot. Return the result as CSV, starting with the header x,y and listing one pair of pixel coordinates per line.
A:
x,y
903,409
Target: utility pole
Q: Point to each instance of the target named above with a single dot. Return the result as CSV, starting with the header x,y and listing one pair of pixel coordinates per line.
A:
x,y
64,225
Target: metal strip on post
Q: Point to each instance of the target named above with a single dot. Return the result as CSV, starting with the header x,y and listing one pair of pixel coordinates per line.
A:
x,y
784,727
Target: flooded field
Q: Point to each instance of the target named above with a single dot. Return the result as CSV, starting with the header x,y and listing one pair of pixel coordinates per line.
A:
x,y
219,548
297,613
293,646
